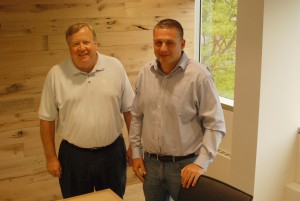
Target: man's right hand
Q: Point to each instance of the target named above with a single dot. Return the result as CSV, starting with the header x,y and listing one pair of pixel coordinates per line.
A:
x,y
54,167
139,168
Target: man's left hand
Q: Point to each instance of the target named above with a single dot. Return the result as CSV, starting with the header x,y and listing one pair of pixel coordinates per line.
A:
x,y
190,175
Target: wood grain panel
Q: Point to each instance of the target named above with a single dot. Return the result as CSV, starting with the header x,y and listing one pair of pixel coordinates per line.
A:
x,y
16,106
27,78
13,151
34,191
12,2
7,2
11,169
37,100
36,74
9,76
11,183
59,26
22,135
30,28
26,139
159,9
65,11
17,91
28,184
18,121
32,59
12,137
24,44
12,12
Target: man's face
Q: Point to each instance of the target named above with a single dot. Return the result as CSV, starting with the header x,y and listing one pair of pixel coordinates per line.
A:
x,y
83,49
167,46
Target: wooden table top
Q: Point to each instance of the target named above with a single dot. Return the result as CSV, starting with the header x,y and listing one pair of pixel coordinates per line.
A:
x,y
103,195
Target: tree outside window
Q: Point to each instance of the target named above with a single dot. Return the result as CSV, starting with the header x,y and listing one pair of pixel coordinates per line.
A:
x,y
218,42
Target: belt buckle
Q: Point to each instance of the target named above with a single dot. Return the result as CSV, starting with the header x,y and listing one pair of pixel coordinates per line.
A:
x,y
95,148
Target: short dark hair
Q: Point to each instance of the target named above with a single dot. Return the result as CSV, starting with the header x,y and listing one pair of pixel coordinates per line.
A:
x,y
74,28
169,23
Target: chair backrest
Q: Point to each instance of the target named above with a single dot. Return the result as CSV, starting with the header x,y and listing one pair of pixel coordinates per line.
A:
x,y
210,189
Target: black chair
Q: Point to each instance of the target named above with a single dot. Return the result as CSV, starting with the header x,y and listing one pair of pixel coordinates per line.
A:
x,y
210,189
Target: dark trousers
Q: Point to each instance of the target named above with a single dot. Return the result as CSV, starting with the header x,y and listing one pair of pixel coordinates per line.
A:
x,y
84,171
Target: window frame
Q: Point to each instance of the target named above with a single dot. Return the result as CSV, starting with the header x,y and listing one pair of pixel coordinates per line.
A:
x,y
227,104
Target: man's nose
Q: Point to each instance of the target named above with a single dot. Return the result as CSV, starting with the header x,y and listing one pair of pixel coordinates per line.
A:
x,y
81,46
163,47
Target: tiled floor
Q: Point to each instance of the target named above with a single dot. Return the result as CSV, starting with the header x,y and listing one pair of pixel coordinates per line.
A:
x,y
134,188
134,192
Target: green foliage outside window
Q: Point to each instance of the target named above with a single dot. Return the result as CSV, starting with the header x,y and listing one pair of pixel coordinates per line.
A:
x,y
218,42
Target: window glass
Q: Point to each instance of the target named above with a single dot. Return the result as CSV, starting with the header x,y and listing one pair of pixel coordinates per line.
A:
x,y
218,42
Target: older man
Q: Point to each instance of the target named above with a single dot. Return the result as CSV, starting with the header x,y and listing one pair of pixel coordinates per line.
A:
x,y
86,95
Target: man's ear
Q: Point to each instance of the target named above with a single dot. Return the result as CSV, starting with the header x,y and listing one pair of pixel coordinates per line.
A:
x,y
97,44
182,44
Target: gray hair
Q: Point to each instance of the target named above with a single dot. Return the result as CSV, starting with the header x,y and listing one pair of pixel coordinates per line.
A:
x,y
74,28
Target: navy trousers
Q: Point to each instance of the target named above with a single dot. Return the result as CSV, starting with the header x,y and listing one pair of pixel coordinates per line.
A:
x,y
85,171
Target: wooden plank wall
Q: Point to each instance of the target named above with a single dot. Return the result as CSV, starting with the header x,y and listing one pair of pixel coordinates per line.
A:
x,y
32,41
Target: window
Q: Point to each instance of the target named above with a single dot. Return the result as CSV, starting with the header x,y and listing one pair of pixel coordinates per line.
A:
x,y
216,41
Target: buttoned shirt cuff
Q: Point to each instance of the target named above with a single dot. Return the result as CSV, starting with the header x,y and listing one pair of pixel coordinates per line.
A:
x,y
203,161
137,152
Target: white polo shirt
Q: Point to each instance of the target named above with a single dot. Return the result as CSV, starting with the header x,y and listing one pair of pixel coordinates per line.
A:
x,y
87,106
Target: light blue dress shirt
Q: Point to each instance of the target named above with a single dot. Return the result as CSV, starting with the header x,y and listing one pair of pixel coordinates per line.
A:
x,y
177,114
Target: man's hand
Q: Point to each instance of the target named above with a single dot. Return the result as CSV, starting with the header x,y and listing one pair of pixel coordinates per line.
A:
x,y
54,167
129,156
190,175
139,168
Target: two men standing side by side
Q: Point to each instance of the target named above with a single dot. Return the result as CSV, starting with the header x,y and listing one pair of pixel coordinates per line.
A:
x,y
177,120
176,117
86,95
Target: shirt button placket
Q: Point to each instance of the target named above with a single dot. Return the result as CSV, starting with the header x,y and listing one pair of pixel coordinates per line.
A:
x,y
89,79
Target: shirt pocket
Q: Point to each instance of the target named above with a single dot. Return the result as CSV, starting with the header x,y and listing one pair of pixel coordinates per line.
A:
x,y
183,104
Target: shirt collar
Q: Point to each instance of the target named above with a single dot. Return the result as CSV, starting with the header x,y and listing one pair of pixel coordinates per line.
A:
x,y
183,61
180,64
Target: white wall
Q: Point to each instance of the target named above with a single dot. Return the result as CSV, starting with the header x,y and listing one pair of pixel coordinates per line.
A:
x,y
267,101
267,109
279,115
247,94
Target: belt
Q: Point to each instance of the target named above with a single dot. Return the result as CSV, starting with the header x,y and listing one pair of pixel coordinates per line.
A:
x,y
168,158
89,149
